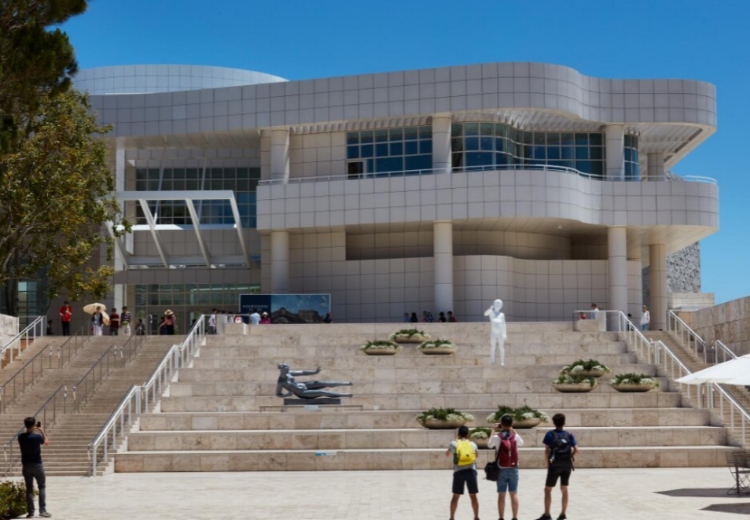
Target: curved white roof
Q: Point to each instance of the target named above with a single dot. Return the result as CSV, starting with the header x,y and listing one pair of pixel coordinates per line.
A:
x,y
146,79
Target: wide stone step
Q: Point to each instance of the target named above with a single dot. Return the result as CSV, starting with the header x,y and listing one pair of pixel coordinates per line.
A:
x,y
324,419
362,360
466,348
632,436
467,388
359,374
405,459
547,401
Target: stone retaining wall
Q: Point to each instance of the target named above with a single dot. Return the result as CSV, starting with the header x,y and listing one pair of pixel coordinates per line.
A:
x,y
8,328
728,322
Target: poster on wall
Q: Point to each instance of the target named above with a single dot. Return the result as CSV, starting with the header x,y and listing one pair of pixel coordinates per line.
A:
x,y
288,308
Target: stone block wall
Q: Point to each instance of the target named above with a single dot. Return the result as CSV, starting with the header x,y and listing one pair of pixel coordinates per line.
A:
x,y
683,272
8,328
728,322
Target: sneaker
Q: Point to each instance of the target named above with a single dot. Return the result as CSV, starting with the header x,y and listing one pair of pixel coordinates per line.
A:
x,y
562,517
45,514
30,515
544,517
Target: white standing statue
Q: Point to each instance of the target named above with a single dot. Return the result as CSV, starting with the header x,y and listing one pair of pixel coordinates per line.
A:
x,y
499,333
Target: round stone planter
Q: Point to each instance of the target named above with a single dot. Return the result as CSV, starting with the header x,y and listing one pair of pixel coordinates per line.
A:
x,y
526,424
381,351
481,443
573,387
436,424
443,350
416,338
592,373
633,388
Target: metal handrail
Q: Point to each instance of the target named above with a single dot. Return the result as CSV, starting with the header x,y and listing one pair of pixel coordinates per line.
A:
x,y
93,377
674,368
177,357
52,401
686,336
72,345
726,352
130,405
14,386
617,321
34,329
91,380
464,169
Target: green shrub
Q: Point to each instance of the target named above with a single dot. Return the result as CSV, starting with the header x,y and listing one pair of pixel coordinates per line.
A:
x,y
12,499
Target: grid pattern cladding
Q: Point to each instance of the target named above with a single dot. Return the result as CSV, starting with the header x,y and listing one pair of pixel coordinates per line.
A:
x,y
406,149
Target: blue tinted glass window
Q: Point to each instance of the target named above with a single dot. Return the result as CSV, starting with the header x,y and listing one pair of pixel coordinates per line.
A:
x,y
365,136
582,152
472,143
425,147
352,152
418,162
397,148
486,143
479,159
367,150
411,133
411,147
381,136
381,150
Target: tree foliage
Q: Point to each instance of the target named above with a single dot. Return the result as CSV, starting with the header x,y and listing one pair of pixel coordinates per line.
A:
x,y
55,183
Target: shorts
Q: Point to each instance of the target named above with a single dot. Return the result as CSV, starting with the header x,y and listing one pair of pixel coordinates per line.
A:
x,y
468,476
561,471
507,480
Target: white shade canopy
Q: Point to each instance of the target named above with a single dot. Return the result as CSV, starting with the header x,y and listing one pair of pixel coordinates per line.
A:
x,y
734,372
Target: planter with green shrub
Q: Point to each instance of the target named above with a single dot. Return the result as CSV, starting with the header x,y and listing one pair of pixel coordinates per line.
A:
x,y
380,348
443,418
409,336
437,347
523,417
631,382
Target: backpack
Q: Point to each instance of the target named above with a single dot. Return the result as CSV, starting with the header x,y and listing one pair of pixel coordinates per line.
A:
x,y
561,449
464,454
507,452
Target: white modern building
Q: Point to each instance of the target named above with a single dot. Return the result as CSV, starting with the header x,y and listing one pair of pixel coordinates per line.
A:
x,y
436,189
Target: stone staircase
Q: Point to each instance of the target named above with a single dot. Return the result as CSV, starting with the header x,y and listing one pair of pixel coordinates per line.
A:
x,y
71,433
222,414
694,364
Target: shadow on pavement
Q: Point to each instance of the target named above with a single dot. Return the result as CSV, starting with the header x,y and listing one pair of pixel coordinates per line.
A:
x,y
740,509
696,492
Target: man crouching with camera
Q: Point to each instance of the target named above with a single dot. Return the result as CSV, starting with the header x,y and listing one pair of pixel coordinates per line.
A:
x,y
31,442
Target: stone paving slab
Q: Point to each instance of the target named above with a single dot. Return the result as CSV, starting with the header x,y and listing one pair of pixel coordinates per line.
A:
x,y
614,494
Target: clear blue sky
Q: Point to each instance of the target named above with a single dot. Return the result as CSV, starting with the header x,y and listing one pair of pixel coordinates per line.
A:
x,y
300,39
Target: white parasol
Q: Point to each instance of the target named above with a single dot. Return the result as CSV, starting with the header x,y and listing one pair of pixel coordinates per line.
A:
x,y
733,372
91,309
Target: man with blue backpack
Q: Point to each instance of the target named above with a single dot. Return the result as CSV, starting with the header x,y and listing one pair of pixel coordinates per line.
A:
x,y
560,449
464,454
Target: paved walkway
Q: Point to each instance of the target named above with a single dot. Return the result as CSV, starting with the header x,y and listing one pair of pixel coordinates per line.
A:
x,y
611,494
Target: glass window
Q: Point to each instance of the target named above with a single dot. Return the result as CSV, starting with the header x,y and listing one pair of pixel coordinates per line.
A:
x,y
393,147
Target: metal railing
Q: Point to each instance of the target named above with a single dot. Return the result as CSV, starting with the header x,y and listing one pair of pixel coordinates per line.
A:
x,y
711,354
703,395
467,169
617,321
32,331
177,357
118,425
47,414
72,345
26,375
114,357
138,399
94,376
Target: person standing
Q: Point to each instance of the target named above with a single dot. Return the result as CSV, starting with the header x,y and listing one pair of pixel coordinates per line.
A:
x,y
49,332
114,323
140,328
560,449
168,323
413,318
30,442
451,317
328,318
406,317
265,319
66,314
97,320
442,318
506,443
254,317
464,454
212,322
125,319
645,318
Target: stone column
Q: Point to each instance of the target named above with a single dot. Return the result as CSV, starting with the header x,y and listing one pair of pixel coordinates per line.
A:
x,y
615,142
280,154
655,167
658,286
279,262
618,269
443,251
119,294
441,143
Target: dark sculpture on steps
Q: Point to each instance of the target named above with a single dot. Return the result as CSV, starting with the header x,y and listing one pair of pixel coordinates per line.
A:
x,y
307,390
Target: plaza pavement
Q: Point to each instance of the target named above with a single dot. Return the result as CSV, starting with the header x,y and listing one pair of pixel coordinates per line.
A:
x,y
611,494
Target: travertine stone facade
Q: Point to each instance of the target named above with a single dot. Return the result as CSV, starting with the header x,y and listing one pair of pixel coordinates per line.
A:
x,y
728,322
8,328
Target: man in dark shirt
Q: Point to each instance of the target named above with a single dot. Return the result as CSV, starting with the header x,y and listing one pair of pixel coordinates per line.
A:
x,y
31,442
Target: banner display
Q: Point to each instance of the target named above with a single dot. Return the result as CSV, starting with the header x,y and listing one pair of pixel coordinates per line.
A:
x,y
288,308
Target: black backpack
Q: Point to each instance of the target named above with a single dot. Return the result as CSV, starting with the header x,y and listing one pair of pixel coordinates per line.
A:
x,y
561,449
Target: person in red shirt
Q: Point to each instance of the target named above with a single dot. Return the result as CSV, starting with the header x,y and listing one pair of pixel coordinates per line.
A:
x,y
114,322
66,314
